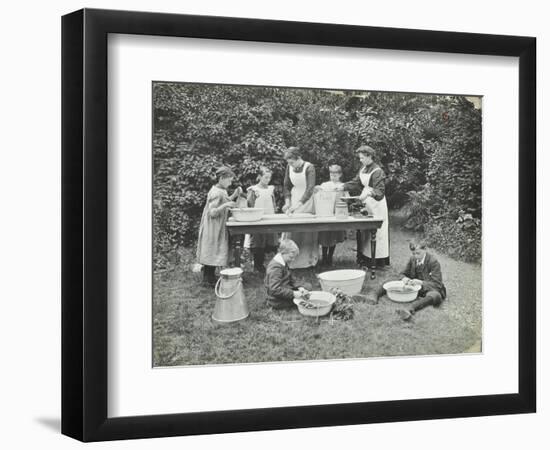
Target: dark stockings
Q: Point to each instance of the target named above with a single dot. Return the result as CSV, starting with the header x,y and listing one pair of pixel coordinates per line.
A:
x,y
209,275
328,253
259,256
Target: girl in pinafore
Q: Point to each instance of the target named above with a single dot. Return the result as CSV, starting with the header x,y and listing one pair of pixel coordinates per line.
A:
x,y
213,241
262,195
329,239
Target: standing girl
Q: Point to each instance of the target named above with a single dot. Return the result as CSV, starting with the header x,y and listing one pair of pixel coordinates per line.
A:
x,y
329,239
262,195
213,241
370,181
298,190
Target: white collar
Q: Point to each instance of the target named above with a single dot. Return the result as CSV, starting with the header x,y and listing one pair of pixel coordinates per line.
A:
x,y
422,260
279,258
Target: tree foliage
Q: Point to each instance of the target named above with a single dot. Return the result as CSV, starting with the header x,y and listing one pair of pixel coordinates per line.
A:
x,y
429,147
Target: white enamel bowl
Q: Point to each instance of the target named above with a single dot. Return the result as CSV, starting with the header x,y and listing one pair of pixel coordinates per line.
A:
x,y
247,214
350,281
321,301
401,293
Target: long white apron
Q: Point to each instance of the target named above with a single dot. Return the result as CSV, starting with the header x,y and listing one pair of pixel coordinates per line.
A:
x,y
307,242
379,209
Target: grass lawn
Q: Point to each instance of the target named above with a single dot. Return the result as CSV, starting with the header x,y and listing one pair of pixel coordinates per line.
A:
x,y
184,333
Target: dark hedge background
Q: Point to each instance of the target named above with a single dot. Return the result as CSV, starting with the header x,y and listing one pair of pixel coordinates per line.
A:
x,y
429,147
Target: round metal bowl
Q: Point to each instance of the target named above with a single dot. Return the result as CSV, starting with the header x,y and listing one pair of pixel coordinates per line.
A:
x,y
247,214
318,304
401,293
348,280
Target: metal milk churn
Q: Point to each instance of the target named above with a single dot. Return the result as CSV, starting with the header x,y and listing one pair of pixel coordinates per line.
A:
x,y
230,301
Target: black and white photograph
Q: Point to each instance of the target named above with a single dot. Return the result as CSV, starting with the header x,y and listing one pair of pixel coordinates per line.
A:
x,y
300,224
269,225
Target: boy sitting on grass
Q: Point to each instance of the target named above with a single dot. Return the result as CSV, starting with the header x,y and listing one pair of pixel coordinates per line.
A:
x,y
281,286
422,269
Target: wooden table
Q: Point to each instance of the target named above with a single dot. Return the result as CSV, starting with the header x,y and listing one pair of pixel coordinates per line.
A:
x,y
312,224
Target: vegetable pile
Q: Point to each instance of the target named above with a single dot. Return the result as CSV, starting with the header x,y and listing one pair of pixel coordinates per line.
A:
x,y
343,306
308,305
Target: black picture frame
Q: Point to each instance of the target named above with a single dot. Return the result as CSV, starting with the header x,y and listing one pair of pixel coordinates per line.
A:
x,y
84,224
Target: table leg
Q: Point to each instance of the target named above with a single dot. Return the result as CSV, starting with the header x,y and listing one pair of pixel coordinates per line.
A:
x,y
373,254
237,249
359,253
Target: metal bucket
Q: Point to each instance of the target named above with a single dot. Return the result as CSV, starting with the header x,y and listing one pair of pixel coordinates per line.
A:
x,y
230,301
341,210
324,203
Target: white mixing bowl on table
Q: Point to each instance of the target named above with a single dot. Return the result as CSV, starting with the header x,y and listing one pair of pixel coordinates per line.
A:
x,y
247,214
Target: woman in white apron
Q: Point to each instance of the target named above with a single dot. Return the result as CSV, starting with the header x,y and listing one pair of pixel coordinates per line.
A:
x,y
298,191
370,181
261,195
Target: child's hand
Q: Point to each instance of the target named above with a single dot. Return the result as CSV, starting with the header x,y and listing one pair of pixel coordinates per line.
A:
x,y
285,207
416,282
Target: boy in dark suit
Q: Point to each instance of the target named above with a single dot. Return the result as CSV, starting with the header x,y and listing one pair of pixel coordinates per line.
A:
x,y
422,269
281,286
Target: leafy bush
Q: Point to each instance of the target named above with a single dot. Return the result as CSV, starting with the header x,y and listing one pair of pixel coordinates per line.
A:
x,y
455,165
429,147
460,238
448,208
198,128
420,208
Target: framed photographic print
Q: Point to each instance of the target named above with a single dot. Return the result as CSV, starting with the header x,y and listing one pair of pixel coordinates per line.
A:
x,y
273,224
